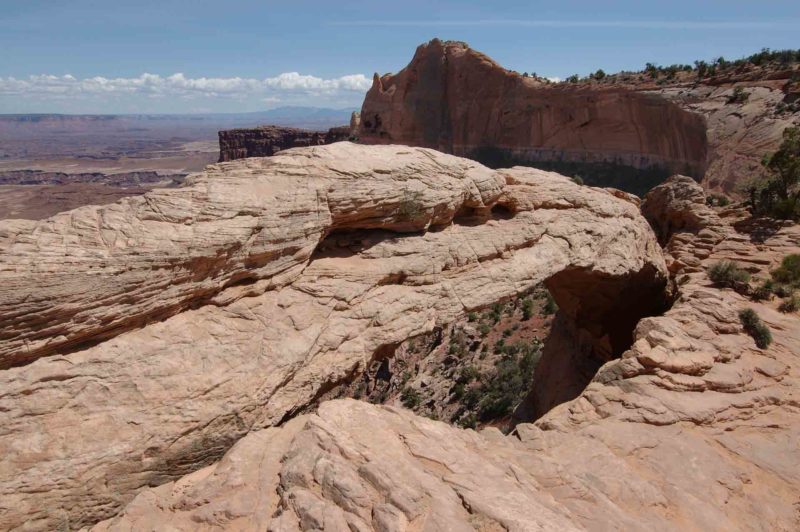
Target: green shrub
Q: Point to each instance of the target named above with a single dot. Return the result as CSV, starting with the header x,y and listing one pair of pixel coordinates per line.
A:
x,y
469,421
778,196
412,205
739,96
484,329
782,290
756,328
457,391
790,304
472,316
789,271
510,382
410,397
717,200
763,291
527,308
727,273
550,305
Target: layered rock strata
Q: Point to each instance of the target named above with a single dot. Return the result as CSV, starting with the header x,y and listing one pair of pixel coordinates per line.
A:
x,y
168,326
693,428
266,141
459,101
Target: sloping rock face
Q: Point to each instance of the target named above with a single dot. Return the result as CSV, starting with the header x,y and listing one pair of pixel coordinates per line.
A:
x,y
167,326
739,133
693,428
266,141
459,101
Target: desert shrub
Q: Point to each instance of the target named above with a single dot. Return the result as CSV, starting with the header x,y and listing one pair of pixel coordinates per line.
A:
x,y
782,290
790,304
763,291
789,271
496,312
728,274
756,328
739,95
457,391
469,421
468,374
411,206
578,180
507,333
778,195
472,316
410,398
550,306
484,329
509,383
717,200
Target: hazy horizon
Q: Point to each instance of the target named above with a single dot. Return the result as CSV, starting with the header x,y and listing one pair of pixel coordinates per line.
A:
x,y
181,57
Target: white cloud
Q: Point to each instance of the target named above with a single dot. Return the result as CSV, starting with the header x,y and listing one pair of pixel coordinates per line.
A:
x,y
178,85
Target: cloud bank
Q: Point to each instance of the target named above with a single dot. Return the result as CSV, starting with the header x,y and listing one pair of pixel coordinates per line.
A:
x,y
178,85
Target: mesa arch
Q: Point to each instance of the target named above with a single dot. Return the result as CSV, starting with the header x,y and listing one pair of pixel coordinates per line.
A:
x,y
179,321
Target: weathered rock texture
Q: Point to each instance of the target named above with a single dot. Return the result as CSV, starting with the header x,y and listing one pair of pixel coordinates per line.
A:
x,y
694,428
266,141
739,133
459,101
167,326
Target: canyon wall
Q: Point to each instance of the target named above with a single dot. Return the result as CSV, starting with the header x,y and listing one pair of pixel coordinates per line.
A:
x,y
459,101
266,141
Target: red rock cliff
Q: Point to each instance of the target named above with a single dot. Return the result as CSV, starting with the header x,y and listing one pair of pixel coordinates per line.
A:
x,y
266,141
460,101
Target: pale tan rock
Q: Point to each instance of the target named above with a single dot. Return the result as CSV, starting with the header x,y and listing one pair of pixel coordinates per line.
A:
x,y
84,431
637,450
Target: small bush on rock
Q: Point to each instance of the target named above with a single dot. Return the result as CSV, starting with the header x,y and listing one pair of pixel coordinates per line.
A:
x,y
789,271
728,274
756,328
790,304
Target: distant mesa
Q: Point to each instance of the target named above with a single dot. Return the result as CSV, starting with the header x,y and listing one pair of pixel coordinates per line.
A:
x,y
266,141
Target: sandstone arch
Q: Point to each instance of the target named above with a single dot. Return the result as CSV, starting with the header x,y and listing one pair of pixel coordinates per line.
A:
x,y
208,315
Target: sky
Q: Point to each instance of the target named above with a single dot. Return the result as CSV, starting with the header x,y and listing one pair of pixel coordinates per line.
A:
x,y
200,56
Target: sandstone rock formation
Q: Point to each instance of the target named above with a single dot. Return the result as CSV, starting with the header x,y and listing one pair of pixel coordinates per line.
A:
x,y
692,428
168,326
266,141
739,133
459,101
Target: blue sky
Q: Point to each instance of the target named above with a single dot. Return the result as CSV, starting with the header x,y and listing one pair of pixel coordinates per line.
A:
x,y
91,56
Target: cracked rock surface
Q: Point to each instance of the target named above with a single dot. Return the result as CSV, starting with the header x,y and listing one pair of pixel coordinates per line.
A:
x,y
693,428
141,340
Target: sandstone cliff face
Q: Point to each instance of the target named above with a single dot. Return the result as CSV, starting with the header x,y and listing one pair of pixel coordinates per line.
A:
x,y
459,101
168,326
692,428
266,141
739,133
